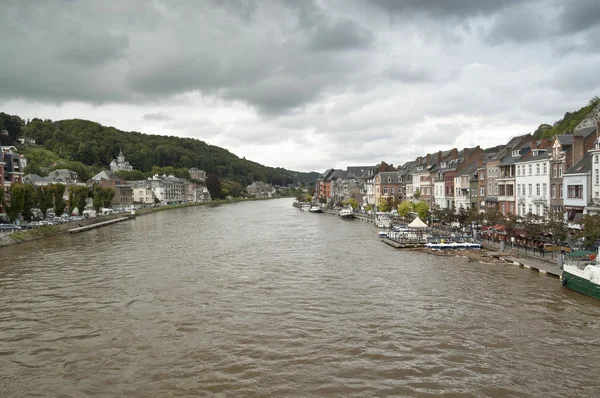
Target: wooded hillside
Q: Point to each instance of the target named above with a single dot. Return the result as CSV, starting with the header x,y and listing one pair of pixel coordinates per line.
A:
x,y
96,145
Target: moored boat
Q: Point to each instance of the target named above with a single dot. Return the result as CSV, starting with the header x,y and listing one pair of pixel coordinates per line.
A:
x,y
305,207
347,213
581,272
315,209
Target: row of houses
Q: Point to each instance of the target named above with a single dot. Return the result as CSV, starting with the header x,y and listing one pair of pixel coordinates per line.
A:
x,y
155,190
544,177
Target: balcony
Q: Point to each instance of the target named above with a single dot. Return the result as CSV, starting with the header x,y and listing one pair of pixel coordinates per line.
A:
x,y
506,198
521,199
539,200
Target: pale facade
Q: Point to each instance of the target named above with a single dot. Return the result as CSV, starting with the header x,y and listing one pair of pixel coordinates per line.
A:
x,y
533,183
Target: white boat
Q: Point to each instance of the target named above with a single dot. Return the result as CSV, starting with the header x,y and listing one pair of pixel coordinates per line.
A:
x,y
315,209
305,207
346,212
581,272
382,233
383,220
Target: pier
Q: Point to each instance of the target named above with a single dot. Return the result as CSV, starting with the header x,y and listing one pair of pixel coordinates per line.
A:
x,y
97,225
535,265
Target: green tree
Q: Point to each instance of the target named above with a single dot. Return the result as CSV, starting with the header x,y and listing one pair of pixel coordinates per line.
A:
x,y
422,209
351,202
17,201
493,215
417,194
591,230
97,198
59,202
510,224
46,199
383,205
80,196
213,184
28,202
404,208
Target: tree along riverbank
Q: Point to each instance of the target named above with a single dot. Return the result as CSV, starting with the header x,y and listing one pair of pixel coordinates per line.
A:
x,y
53,230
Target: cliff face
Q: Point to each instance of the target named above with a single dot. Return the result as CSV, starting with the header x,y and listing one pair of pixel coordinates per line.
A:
x,y
590,119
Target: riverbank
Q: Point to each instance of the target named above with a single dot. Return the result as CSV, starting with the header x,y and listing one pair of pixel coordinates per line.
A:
x,y
53,230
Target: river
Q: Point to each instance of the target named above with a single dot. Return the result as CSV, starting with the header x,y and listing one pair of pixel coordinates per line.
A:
x,y
259,299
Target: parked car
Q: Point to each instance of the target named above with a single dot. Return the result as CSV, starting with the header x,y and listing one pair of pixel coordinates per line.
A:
x,y
9,228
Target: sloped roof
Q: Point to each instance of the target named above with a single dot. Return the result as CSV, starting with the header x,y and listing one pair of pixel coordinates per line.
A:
x,y
565,139
583,166
586,131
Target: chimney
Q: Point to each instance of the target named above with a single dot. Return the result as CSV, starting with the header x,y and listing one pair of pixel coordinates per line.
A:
x,y
418,160
454,153
577,150
465,155
480,162
428,159
439,157
597,128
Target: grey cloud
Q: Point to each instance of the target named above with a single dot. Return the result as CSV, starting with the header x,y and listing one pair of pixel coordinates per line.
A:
x,y
341,35
94,50
518,25
442,8
579,16
156,116
408,74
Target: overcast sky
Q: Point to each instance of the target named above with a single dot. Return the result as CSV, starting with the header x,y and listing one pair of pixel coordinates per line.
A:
x,y
301,84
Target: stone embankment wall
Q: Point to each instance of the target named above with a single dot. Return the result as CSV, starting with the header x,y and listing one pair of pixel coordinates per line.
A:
x,y
52,230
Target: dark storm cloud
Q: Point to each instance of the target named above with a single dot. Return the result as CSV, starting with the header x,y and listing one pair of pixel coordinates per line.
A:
x,y
579,16
442,8
341,35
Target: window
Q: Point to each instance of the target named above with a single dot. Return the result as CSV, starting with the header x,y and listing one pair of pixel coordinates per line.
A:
x,y
537,189
554,172
560,191
560,170
482,176
545,168
530,169
537,169
385,190
490,187
530,189
495,188
482,191
519,189
530,208
389,180
544,189
575,191
553,191
518,171
392,190
595,158
597,177
537,209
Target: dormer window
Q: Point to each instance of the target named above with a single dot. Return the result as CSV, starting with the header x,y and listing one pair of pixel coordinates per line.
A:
x,y
443,165
419,168
389,180
516,152
535,152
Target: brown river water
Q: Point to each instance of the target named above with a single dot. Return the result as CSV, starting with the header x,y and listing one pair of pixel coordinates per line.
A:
x,y
259,299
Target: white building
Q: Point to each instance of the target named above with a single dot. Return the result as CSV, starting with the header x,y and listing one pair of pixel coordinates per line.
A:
x,y
577,182
593,206
120,163
533,182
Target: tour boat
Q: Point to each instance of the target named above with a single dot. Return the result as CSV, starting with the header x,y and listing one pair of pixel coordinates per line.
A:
x,y
346,212
315,209
581,272
383,220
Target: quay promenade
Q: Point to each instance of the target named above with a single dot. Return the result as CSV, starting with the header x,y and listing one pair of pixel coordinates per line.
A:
x,y
524,257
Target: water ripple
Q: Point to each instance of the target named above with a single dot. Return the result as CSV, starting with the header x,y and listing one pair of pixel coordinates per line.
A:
x,y
259,299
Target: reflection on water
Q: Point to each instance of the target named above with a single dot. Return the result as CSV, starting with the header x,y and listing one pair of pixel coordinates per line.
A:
x,y
259,299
